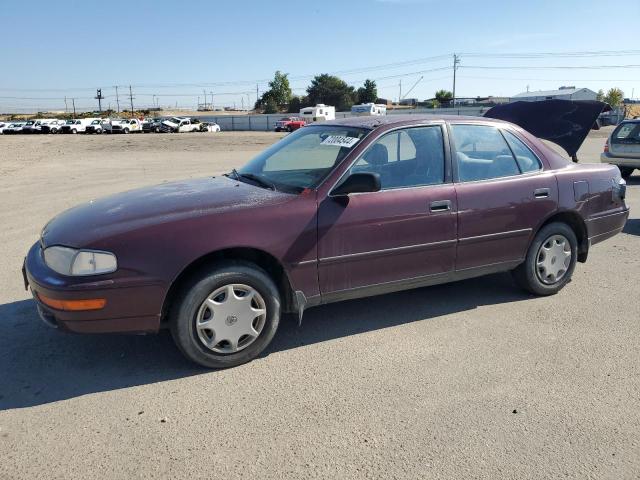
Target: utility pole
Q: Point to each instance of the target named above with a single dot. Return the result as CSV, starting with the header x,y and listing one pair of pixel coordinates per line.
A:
x,y
257,93
66,110
211,93
131,98
456,62
99,97
73,101
400,92
205,98
117,100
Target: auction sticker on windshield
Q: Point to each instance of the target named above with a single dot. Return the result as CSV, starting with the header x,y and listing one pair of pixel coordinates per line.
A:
x,y
340,141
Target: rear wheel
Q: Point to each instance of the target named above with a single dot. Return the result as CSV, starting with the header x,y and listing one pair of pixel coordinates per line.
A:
x,y
550,260
74,131
626,172
226,316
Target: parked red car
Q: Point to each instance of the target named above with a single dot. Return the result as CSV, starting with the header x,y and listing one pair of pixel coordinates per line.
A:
x,y
289,124
338,210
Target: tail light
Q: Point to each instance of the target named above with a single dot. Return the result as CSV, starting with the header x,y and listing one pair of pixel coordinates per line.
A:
x,y
606,146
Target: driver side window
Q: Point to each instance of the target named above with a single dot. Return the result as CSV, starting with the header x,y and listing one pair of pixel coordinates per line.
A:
x,y
410,157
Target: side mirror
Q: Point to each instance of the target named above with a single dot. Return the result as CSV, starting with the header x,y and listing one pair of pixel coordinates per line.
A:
x,y
360,182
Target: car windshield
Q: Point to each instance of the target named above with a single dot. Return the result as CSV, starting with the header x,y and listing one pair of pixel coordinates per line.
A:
x,y
304,158
95,122
70,122
176,120
31,122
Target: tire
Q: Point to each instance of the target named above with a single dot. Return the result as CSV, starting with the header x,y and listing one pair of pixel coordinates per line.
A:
x,y
189,310
289,129
74,130
626,172
532,276
126,130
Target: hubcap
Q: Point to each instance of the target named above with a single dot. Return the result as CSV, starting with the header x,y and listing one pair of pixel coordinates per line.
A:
x,y
553,260
231,318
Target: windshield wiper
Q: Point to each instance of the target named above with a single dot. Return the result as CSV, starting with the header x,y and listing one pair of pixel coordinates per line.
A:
x,y
256,178
233,172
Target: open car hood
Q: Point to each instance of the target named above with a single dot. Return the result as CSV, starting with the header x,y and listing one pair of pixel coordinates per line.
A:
x,y
563,122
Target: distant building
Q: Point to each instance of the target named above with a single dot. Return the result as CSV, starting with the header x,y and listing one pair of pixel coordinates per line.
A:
x,y
490,100
563,93
409,101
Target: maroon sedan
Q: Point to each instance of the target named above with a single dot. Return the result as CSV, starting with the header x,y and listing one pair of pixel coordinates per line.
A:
x,y
334,211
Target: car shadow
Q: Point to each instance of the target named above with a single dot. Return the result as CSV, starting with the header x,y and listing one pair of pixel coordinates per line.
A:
x,y
39,365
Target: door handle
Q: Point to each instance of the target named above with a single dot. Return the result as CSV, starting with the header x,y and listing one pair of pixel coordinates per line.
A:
x,y
541,193
440,206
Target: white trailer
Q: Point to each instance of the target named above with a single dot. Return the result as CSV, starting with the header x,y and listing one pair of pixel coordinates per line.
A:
x,y
368,109
319,113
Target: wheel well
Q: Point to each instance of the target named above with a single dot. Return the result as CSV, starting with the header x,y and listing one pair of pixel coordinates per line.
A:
x,y
579,228
262,259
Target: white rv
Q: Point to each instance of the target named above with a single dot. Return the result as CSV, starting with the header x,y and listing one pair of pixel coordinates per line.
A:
x,y
319,113
368,109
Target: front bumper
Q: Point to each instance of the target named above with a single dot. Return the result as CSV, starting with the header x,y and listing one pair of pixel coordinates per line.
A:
x,y
133,305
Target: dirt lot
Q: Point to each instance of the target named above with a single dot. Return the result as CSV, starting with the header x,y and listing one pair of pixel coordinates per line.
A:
x,y
469,380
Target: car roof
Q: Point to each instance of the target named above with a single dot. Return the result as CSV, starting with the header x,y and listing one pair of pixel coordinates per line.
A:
x,y
373,122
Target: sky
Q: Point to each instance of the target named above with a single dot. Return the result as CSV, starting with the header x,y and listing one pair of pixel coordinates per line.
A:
x,y
172,51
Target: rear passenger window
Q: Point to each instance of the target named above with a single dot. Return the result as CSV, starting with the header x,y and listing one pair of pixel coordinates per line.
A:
x,y
482,153
406,158
527,161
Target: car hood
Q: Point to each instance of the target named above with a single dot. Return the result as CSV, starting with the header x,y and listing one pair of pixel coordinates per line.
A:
x,y
88,223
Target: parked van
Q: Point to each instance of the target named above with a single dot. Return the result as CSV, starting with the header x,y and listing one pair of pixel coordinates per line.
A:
x,y
319,113
368,109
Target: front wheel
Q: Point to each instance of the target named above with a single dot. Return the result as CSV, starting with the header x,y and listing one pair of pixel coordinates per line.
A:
x,y
226,316
550,260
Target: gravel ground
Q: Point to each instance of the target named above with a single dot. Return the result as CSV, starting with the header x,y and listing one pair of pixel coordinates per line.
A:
x,y
468,380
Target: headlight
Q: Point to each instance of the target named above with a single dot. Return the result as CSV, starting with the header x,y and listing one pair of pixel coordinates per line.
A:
x,y
72,262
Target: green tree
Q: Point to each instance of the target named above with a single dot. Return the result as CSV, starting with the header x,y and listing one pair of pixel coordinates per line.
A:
x,y
280,89
368,93
331,90
600,95
444,96
614,97
279,92
270,106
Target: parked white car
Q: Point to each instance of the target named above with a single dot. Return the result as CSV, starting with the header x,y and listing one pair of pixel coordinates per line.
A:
x,y
13,128
209,127
4,125
77,126
131,125
181,125
52,126
99,125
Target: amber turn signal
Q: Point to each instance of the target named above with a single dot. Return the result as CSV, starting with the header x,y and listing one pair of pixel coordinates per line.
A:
x,y
73,305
